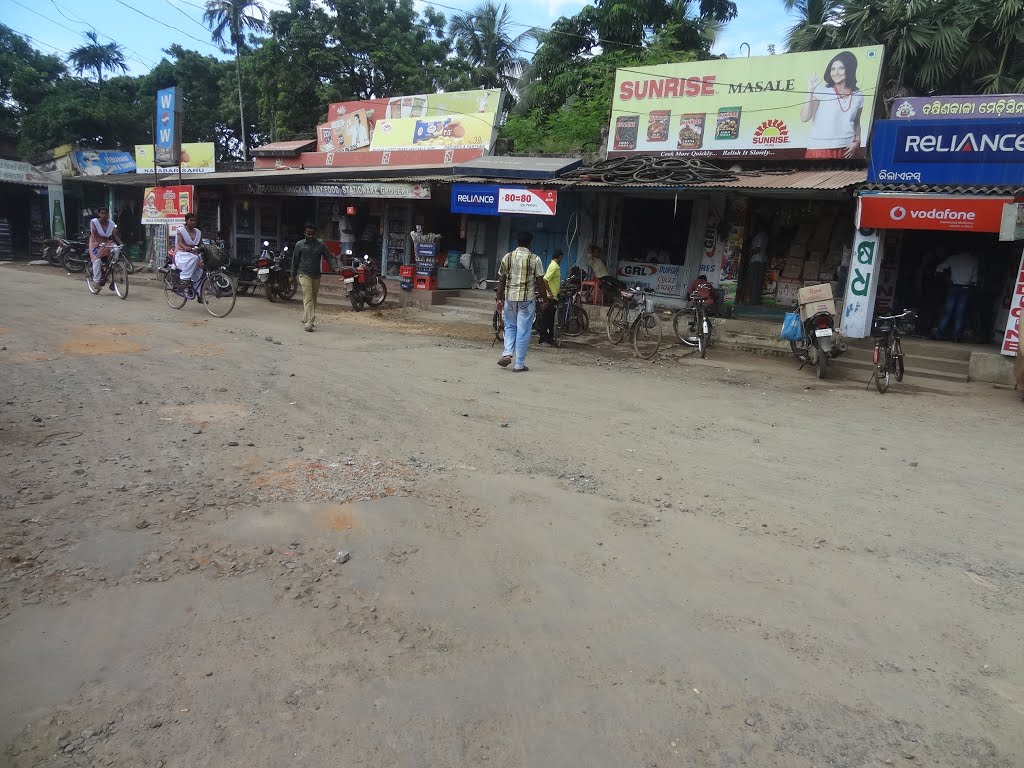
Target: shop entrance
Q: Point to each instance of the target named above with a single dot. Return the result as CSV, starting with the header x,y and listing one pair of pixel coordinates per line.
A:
x,y
654,230
254,223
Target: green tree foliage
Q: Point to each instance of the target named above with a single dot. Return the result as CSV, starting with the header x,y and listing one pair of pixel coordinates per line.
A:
x,y
931,46
26,75
96,57
483,40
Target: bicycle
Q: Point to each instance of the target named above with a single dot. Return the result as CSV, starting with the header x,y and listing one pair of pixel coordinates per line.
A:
x,y
633,312
112,268
216,290
888,352
692,325
570,318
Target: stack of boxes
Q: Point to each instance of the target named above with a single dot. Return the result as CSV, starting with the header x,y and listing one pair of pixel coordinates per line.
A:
x,y
814,299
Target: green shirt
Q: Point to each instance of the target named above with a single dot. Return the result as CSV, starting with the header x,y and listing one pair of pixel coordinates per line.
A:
x,y
306,257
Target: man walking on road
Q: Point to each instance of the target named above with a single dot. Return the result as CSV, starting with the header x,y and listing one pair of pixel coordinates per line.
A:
x,y
520,280
306,261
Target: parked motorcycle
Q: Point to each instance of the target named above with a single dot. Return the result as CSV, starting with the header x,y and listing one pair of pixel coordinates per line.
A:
x,y
363,285
52,252
821,343
274,271
73,254
246,274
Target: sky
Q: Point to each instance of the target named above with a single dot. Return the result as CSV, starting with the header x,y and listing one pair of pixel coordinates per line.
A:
x,y
146,28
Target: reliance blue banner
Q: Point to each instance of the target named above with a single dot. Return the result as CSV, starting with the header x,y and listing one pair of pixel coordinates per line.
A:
x,y
168,127
965,152
102,162
478,199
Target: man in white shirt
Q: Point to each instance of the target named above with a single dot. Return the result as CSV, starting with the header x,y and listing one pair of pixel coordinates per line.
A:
x,y
758,262
963,273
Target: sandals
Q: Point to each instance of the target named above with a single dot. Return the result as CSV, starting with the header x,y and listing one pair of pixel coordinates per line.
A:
x,y
524,369
505,361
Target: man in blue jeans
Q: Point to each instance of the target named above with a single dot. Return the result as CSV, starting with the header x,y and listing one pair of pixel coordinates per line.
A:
x,y
520,281
963,273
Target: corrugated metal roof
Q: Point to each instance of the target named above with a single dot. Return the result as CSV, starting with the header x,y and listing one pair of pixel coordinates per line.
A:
x,y
519,167
832,179
284,147
945,189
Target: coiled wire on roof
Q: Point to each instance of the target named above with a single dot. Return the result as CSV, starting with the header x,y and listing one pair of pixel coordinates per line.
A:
x,y
651,170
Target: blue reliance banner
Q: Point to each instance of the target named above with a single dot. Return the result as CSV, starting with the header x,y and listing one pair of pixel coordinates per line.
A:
x,y
168,128
478,199
103,162
964,152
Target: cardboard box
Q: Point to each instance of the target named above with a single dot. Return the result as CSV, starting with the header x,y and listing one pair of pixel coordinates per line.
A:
x,y
786,293
819,292
793,269
814,307
811,269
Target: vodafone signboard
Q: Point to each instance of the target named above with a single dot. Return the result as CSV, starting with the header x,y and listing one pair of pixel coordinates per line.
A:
x,y
945,213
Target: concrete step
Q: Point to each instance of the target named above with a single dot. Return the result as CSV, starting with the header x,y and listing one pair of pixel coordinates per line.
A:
x,y
484,302
861,369
923,362
471,313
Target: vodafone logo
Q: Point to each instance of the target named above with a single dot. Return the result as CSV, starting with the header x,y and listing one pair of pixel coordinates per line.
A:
x,y
935,212
898,213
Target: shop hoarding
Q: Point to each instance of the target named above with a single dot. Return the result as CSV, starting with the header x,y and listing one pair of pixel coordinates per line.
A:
x,y
946,213
657,278
747,107
958,107
494,200
355,189
1011,337
22,173
167,205
1011,226
961,152
102,162
196,157
460,119
168,127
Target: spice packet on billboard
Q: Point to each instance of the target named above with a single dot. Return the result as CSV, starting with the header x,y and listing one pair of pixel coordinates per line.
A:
x,y
626,130
657,125
691,131
727,126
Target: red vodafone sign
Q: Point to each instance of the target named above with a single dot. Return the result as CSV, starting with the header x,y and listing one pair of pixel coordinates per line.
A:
x,y
945,213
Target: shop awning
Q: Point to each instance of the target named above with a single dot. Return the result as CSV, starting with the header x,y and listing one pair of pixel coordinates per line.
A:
x,y
284,148
946,189
17,172
512,167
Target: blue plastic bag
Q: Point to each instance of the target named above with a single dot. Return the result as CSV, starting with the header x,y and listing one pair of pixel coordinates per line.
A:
x,y
792,328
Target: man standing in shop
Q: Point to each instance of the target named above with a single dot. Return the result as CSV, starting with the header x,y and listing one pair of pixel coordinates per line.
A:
x,y
306,260
758,260
520,281
553,278
963,273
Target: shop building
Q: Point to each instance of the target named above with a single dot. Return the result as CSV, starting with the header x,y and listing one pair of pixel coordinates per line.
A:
x,y
944,187
25,220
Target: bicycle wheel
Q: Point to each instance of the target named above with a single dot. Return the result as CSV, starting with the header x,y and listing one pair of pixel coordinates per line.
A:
x,y
647,335
617,323
558,325
174,299
583,318
882,369
897,357
119,279
92,285
129,265
572,322
681,325
218,294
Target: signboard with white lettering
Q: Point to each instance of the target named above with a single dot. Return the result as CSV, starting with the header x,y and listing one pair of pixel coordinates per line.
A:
x,y
657,278
962,152
949,213
492,200
354,189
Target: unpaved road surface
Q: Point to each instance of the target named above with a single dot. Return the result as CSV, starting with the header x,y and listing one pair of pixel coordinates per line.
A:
x,y
599,563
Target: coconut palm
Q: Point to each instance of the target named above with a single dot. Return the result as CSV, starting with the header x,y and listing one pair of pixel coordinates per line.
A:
x,y
96,57
816,27
229,21
482,37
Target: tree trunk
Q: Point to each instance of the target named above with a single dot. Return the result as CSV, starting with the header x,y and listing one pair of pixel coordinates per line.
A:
x,y
241,109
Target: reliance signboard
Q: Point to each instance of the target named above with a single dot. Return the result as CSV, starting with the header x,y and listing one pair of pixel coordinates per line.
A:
x,y
963,152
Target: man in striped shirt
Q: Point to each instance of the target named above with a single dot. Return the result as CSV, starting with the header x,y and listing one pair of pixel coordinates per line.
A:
x,y
520,280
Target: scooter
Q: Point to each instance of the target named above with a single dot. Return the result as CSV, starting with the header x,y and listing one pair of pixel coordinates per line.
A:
x,y
363,285
821,343
273,271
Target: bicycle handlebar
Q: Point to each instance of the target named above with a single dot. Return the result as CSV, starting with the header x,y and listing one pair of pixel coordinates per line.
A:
x,y
900,316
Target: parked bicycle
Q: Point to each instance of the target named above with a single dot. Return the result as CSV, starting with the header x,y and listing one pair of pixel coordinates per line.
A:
x,y
570,319
216,290
692,325
112,269
888,353
633,314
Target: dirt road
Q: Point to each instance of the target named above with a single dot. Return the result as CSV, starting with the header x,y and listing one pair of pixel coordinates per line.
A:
x,y
599,563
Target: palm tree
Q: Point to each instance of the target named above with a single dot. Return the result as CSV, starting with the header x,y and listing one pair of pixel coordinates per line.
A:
x,y
817,25
96,57
483,39
230,20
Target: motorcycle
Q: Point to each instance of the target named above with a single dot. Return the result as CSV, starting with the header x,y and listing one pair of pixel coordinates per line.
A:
x,y
245,275
73,254
52,252
362,284
821,343
273,271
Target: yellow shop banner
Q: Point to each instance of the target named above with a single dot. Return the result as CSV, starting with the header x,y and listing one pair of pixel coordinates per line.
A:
x,y
195,158
815,105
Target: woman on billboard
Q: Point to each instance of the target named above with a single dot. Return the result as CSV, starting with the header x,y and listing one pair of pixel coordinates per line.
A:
x,y
834,109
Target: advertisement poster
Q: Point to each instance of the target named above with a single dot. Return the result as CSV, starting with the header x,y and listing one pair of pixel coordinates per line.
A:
x,y
658,278
1011,338
167,205
816,105
168,127
493,200
949,213
460,119
102,162
195,158
958,107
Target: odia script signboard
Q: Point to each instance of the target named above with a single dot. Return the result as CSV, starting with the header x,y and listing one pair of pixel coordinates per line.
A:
x,y
862,285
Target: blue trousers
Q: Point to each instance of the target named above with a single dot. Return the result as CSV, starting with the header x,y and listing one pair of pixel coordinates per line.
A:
x,y
956,310
518,316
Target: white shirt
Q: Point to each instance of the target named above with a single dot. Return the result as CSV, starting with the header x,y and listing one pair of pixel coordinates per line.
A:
x,y
833,124
963,268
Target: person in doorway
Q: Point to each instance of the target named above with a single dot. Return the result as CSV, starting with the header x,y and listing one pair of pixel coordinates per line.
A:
x,y
520,281
598,268
102,232
963,273
187,239
307,257
833,109
553,278
758,262
714,296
